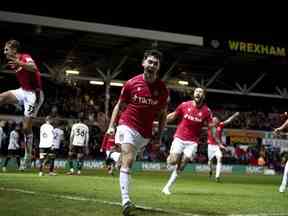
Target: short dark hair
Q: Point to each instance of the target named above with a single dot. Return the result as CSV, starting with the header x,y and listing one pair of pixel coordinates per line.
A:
x,y
48,118
153,52
14,44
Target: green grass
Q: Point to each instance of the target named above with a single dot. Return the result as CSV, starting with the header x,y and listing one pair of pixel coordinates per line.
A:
x,y
193,193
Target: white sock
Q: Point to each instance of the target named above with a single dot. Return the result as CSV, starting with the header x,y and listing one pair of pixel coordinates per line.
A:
x,y
285,176
172,179
218,169
124,184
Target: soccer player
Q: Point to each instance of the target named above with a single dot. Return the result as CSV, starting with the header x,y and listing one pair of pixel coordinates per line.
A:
x,y
143,99
215,144
58,137
13,147
112,152
29,95
192,116
46,145
79,139
283,185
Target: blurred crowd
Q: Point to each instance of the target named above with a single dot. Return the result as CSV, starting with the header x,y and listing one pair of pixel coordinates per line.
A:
x,y
70,102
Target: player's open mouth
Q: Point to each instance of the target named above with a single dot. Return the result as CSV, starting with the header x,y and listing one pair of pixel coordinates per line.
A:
x,y
150,70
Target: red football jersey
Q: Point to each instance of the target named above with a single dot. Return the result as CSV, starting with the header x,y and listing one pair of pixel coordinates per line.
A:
x,y
30,81
215,131
192,119
144,101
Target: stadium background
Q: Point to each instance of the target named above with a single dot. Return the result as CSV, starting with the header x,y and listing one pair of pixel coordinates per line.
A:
x,y
243,72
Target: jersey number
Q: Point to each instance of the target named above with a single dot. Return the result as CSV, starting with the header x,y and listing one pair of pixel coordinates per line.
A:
x,y
80,132
31,109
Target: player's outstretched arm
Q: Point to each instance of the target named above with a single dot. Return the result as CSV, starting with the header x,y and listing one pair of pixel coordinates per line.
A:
x,y
284,125
162,118
171,117
231,118
117,109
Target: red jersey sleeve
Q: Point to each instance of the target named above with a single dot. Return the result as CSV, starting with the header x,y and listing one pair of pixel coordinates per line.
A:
x,y
209,116
179,110
125,92
26,58
104,142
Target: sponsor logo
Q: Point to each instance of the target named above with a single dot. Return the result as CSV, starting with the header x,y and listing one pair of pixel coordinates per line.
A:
x,y
144,100
254,169
201,168
152,166
192,118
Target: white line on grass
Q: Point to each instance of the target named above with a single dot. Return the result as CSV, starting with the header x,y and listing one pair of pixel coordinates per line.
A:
x,y
77,198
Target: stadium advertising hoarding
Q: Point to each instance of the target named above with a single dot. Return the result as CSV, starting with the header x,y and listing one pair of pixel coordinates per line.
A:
x,y
161,166
282,144
255,48
243,136
247,47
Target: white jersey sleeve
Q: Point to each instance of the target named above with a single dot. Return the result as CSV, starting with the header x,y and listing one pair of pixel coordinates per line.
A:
x,y
79,134
58,137
46,136
14,140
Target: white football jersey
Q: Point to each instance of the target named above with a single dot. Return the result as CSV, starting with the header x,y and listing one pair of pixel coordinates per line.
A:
x,y
58,137
46,135
79,134
14,140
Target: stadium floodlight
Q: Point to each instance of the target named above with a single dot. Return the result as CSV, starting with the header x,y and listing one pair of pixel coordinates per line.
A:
x,y
182,82
120,84
96,82
74,72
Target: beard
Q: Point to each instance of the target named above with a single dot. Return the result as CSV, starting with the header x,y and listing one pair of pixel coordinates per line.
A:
x,y
150,75
198,100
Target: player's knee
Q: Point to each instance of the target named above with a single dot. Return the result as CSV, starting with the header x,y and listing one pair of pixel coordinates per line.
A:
x,y
127,160
3,98
172,159
219,159
187,159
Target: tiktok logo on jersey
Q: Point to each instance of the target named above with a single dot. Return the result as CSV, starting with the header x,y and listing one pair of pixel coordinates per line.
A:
x,y
192,118
144,100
